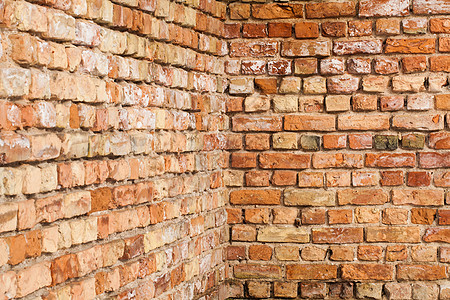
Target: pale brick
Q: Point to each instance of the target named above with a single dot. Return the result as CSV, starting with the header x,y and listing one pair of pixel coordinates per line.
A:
x,y
274,234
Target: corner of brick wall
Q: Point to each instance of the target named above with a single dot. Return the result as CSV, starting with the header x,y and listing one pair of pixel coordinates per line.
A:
x,y
198,149
339,149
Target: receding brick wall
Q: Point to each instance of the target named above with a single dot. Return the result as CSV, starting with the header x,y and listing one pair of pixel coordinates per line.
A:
x,y
111,115
339,149
133,131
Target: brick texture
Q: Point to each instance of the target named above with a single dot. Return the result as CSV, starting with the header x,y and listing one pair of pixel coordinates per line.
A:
x,y
357,133
112,149
212,149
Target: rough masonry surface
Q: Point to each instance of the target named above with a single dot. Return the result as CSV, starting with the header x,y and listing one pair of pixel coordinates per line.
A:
x,y
203,149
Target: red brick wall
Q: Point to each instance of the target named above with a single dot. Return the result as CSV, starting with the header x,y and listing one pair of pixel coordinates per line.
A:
x,y
339,149
133,131
111,115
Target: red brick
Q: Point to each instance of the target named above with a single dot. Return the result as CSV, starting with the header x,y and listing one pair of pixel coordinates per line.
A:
x,y
338,160
257,178
253,49
239,11
362,197
279,67
280,29
282,178
442,179
392,103
285,289
430,160
444,217
440,63
413,64
396,253
246,197
311,272
423,215
345,84
367,272
338,178
63,268
431,7
134,247
235,252
437,235
386,66
253,67
313,216
24,246
234,216
101,199
260,252
306,48
391,178
383,8
330,10
420,272
306,30
439,25
360,141
374,46
31,279
369,253
284,161
393,234
341,216
257,215
360,28
334,29
443,102
363,122
254,30
310,179
390,160
306,66
266,85
415,25
418,197
243,160
364,102
418,179
232,31
395,216
364,178
124,195
410,46
259,123
277,11
334,141
309,123
313,290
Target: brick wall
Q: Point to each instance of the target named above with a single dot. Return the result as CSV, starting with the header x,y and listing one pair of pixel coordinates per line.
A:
x,y
339,149
198,149
111,115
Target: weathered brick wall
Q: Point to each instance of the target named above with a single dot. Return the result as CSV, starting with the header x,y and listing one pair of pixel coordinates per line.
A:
x,y
339,149
111,115
115,149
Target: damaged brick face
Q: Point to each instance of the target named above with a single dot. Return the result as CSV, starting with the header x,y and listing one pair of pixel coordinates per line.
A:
x,y
166,149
